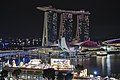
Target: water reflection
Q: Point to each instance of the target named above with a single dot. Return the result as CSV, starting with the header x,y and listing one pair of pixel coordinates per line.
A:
x,y
104,65
108,63
101,63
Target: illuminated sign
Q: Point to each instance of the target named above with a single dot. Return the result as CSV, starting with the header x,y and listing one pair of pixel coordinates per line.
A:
x,y
60,63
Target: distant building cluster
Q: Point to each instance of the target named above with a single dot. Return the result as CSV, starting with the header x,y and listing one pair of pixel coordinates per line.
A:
x,y
19,43
73,25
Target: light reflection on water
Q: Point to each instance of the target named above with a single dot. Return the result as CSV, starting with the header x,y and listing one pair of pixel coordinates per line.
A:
x,y
104,65
107,65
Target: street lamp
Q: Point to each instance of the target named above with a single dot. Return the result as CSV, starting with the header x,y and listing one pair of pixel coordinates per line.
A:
x,y
95,73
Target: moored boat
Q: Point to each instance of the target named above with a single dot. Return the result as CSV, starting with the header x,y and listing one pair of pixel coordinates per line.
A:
x,y
101,53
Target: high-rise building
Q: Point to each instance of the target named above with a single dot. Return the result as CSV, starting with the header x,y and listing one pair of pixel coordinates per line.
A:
x,y
66,26
52,27
82,30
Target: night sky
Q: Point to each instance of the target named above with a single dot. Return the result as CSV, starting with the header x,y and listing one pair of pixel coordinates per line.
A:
x,y
20,18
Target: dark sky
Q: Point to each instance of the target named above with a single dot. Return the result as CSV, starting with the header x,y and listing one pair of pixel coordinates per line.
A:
x,y
20,18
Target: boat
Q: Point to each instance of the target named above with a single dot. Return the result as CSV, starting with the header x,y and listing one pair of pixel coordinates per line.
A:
x,y
101,53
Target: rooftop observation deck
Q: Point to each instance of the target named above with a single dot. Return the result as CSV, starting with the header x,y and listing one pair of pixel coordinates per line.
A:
x,y
45,9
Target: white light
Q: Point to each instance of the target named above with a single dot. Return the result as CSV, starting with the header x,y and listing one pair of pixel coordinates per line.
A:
x,y
95,72
91,76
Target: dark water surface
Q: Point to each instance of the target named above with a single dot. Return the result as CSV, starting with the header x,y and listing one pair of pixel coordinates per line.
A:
x,y
104,65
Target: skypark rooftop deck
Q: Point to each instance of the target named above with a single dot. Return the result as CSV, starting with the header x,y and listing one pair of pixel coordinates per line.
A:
x,y
62,11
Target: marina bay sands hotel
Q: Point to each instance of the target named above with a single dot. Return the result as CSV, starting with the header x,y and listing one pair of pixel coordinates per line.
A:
x,y
73,25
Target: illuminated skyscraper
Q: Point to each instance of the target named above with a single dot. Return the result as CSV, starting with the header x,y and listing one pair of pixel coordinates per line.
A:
x,y
52,27
50,33
66,26
82,30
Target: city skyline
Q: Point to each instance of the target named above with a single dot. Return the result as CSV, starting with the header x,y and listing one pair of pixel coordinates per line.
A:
x,y
22,19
